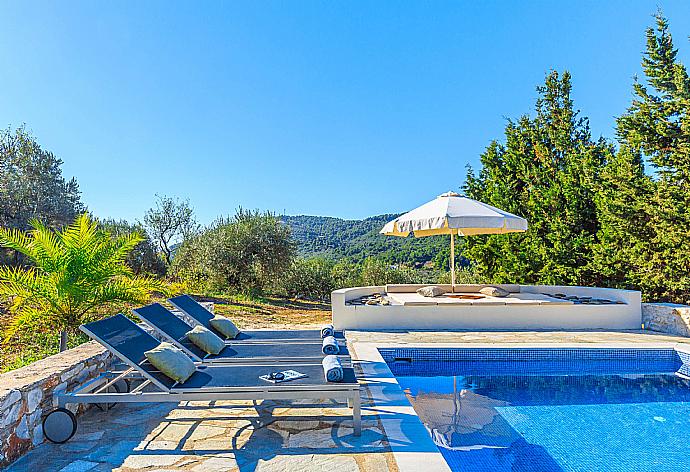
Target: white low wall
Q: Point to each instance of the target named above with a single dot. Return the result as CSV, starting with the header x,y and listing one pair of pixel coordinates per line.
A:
x,y
492,317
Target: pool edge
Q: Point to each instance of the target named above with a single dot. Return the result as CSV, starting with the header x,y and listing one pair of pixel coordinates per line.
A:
x,y
408,438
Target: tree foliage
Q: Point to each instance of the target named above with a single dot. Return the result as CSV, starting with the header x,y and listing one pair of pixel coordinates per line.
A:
x,y
356,240
144,258
657,126
316,277
169,223
248,251
32,185
546,171
624,192
310,279
596,216
74,272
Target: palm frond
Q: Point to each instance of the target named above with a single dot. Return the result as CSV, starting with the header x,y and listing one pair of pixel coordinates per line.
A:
x,y
26,287
45,245
28,320
81,234
17,240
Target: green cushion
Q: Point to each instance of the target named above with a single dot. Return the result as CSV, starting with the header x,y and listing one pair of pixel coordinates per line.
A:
x,y
224,326
171,362
205,340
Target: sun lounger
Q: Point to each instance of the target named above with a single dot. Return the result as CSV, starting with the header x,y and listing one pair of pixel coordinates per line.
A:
x,y
128,342
174,330
201,315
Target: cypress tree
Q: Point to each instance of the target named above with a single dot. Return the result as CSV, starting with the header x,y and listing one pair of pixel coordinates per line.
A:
x,y
624,237
657,125
546,171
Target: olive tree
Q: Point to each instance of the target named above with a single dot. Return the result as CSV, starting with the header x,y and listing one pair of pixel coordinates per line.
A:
x,y
169,223
32,187
247,251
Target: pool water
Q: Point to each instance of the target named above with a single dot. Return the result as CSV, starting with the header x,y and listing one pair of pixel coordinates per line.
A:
x,y
559,412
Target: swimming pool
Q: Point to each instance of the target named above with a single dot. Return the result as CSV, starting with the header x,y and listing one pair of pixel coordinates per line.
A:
x,y
550,409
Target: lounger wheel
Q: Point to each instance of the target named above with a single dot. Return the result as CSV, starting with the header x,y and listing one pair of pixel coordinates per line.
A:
x,y
121,386
59,425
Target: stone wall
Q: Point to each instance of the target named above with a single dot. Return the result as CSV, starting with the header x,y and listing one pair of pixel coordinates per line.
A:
x,y
26,394
668,318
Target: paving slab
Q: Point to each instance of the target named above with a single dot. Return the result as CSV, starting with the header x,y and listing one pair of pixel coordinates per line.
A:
x,y
227,436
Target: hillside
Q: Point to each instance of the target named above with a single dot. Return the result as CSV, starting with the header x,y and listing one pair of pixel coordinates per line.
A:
x,y
336,238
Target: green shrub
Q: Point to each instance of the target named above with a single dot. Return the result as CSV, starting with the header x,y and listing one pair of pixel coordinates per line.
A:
x,y
309,278
467,275
315,278
246,252
377,272
346,274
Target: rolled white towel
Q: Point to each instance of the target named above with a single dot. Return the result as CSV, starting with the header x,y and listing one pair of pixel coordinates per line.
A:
x,y
327,330
330,346
332,369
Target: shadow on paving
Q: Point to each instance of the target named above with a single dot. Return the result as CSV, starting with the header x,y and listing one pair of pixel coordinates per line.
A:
x,y
217,436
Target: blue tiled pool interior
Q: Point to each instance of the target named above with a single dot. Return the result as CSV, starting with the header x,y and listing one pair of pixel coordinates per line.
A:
x,y
499,409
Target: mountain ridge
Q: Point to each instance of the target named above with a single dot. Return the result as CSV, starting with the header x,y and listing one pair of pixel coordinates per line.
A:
x,y
355,240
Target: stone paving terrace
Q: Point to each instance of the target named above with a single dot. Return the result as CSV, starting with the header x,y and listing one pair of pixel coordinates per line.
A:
x,y
222,436
268,435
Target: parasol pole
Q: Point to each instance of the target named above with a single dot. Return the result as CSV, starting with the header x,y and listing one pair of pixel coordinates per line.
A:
x,y
452,260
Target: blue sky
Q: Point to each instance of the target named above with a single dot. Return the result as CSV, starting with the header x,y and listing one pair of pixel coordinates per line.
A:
x,y
345,109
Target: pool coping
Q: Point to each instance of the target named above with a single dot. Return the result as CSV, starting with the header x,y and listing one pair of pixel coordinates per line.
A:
x,y
408,438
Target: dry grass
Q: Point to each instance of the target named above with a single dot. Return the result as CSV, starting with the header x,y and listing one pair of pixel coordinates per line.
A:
x,y
271,312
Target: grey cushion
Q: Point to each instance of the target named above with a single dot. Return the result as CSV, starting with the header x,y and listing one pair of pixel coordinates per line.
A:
x,y
171,362
431,291
224,326
494,292
205,340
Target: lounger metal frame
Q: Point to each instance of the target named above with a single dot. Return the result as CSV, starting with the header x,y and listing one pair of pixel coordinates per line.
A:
x,y
95,391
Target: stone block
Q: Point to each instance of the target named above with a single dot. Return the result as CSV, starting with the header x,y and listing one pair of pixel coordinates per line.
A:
x,y
72,372
62,388
34,419
51,382
33,399
27,392
667,318
8,398
11,415
22,429
152,460
37,437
